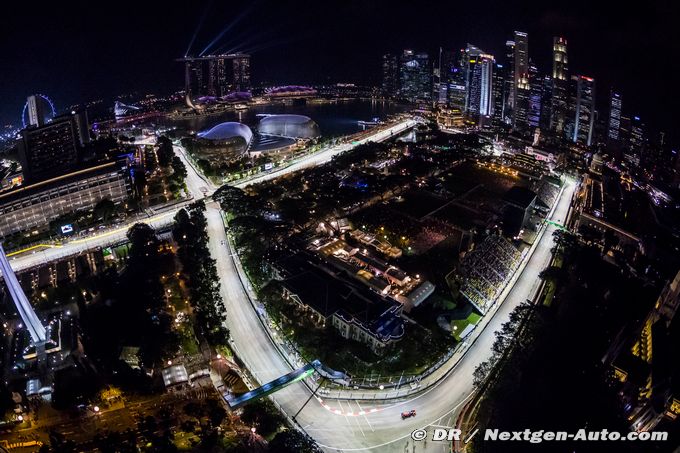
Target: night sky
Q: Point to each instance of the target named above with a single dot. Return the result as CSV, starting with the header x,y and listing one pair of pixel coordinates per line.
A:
x,y
80,51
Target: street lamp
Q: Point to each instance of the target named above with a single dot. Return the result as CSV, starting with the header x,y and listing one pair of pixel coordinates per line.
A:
x,y
96,409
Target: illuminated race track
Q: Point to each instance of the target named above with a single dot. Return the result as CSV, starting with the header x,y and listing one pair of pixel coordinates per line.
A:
x,y
373,425
197,185
381,430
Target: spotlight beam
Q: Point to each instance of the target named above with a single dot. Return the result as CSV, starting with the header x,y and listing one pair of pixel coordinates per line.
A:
x,y
198,28
228,27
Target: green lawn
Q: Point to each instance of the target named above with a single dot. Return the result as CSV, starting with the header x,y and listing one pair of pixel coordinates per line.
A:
x,y
459,325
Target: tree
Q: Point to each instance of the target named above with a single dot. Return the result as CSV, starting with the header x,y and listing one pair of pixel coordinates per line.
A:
x,y
292,441
179,171
264,416
165,153
554,273
105,209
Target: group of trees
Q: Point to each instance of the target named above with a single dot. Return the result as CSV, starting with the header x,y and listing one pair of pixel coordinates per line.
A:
x,y
513,334
130,309
253,232
200,272
168,159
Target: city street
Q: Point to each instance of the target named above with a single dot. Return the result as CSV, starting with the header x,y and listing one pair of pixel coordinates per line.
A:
x,y
372,425
197,186
381,430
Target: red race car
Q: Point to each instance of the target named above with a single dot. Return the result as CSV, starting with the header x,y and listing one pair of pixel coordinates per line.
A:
x,y
408,414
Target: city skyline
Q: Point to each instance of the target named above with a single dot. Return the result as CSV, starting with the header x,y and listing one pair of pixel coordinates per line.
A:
x,y
308,227
142,58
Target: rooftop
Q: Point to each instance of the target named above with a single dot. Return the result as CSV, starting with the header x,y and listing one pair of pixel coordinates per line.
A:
x,y
520,196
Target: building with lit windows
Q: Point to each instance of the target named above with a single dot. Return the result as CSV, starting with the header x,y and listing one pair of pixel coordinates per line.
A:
x,y
509,102
582,115
498,92
614,123
415,77
521,81
216,75
479,83
535,97
390,75
560,87
546,102
32,207
50,149
642,364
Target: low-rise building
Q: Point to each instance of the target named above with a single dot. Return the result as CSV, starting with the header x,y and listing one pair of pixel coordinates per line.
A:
x,y
328,300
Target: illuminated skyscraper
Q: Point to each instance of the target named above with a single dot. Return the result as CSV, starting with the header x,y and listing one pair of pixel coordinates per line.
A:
x,y
479,83
36,113
560,86
614,124
535,97
390,75
241,71
582,121
521,78
509,102
415,76
638,134
216,75
498,90
546,102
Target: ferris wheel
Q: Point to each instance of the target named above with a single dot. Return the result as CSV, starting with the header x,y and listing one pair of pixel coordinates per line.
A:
x,y
48,109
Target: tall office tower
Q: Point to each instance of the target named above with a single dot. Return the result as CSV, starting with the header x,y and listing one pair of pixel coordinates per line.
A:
x,y
560,88
36,111
415,80
521,110
390,75
449,65
509,82
546,103
478,83
498,91
49,150
521,78
638,131
241,70
614,123
446,73
582,113
82,126
535,97
457,91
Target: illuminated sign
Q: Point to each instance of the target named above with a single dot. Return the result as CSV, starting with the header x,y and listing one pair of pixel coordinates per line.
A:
x,y
68,228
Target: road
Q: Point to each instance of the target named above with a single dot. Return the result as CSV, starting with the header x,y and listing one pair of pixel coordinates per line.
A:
x,y
373,426
382,430
198,186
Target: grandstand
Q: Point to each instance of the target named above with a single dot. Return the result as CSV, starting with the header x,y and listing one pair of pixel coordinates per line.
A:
x,y
486,271
547,190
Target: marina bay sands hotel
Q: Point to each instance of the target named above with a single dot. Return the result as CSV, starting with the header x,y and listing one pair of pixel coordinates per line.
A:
x,y
216,75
